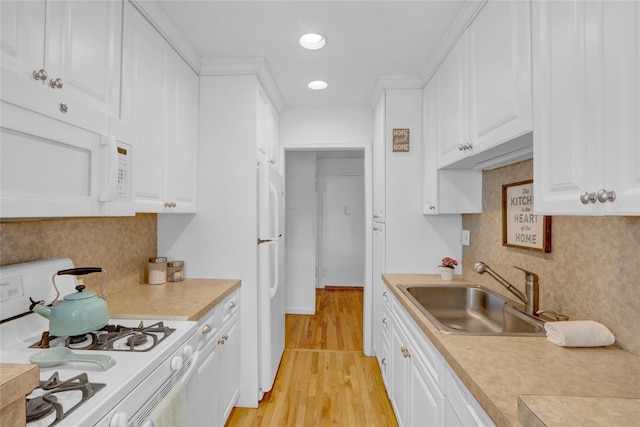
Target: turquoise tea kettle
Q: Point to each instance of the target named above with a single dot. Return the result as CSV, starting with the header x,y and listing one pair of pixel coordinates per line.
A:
x,y
78,313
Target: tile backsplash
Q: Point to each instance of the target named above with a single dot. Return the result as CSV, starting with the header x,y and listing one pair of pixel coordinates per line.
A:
x,y
121,245
592,271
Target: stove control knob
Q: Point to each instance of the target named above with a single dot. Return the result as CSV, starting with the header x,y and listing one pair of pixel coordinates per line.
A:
x,y
176,363
119,419
187,352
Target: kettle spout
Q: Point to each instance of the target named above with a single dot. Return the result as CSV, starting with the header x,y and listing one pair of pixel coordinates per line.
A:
x,y
41,309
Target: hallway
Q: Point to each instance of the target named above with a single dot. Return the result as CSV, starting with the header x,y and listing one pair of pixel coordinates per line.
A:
x,y
324,379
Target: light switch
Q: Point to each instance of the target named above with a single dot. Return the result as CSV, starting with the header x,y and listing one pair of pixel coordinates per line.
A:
x,y
465,237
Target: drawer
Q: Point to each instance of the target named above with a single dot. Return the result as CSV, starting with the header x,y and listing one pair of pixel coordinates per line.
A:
x,y
228,307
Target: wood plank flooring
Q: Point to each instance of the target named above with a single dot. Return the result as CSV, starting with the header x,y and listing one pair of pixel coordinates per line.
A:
x,y
324,379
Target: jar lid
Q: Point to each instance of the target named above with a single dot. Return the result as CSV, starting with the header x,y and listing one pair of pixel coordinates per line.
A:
x,y
158,260
175,264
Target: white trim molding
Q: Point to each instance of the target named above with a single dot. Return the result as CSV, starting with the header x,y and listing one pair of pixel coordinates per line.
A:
x,y
252,66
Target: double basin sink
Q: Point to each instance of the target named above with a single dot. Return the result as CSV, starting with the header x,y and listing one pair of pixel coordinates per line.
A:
x,y
472,310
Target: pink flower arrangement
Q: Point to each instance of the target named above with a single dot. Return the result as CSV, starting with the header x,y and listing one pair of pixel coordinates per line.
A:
x,y
448,263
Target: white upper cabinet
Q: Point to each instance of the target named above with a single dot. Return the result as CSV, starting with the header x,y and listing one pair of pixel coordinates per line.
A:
x,y
268,122
586,72
69,47
446,190
378,167
160,99
483,87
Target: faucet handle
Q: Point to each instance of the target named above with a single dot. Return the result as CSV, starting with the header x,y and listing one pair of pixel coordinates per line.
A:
x,y
531,277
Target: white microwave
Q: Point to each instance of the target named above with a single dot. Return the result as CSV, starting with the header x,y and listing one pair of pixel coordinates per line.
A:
x,y
53,167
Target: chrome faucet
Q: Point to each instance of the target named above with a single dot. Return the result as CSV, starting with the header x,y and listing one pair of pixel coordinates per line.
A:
x,y
531,298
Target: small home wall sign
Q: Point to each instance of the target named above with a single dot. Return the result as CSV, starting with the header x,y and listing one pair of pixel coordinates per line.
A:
x,y
401,140
520,227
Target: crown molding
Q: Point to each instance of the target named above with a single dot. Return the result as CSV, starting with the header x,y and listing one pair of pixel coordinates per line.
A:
x,y
461,22
167,29
244,67
395,82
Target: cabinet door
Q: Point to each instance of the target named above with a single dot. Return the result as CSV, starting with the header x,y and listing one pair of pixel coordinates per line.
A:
x,y
499,74
426,407
452,105
182,162
145,90
379,290
22,33
429,150
399,371
586,72
230,363
378,166
204,407
83,49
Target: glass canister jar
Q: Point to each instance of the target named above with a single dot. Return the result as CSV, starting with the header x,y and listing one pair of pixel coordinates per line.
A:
x,y
157,270
175,271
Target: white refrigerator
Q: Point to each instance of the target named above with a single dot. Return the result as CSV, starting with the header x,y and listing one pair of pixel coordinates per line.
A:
x,y
270,242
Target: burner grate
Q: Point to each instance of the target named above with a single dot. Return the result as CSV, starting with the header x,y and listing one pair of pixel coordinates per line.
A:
x,y
112,338
42,406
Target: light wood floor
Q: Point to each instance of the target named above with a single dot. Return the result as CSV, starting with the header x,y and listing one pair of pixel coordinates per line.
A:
x,y
324,378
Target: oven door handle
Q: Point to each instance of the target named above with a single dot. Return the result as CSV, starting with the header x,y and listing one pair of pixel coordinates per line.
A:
x,y
192,368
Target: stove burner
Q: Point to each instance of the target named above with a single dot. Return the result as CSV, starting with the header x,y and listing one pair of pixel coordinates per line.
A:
x,y
111,338
77,339
42,406
39,407
137,340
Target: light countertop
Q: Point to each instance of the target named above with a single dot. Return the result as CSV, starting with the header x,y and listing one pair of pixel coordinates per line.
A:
x,y
530,381
187,300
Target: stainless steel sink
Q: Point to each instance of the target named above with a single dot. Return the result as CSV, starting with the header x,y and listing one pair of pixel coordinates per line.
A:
x,y
472,310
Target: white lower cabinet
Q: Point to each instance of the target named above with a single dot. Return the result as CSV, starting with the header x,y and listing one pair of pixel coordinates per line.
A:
x,y
461,409
423,389
213,389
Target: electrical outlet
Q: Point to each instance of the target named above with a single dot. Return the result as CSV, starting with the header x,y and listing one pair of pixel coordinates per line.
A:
x,y
465,237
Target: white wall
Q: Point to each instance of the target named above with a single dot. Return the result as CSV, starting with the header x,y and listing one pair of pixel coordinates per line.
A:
x,y
414,243
326,127
220,240
300,228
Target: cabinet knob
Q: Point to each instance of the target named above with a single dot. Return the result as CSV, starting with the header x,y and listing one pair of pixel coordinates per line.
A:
x,y
384,361
232,304
606,196
432,207
460,147
40,74
376,229
56,84
63,107
587,198
206,329
385,321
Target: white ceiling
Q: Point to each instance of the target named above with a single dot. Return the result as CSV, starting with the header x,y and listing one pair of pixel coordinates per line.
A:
x,y
366,40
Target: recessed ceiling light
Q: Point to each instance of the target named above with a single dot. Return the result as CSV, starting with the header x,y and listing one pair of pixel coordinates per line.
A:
x,y
317,85
313,41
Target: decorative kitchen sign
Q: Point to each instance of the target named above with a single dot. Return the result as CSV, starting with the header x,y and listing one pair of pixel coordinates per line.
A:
x,y
520,227
401,140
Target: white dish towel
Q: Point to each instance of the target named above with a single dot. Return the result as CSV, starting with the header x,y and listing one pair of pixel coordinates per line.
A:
x,y
579,333
170,412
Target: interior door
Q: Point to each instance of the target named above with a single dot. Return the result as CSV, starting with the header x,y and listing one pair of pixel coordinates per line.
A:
x,y
343,244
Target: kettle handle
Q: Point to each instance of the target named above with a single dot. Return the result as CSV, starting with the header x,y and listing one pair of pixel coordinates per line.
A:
x,y
81,271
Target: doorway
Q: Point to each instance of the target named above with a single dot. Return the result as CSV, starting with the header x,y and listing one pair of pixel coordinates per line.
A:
x,y
341,243
304,168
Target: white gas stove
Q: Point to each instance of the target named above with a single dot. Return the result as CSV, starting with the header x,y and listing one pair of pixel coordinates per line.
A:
x,y
150,357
